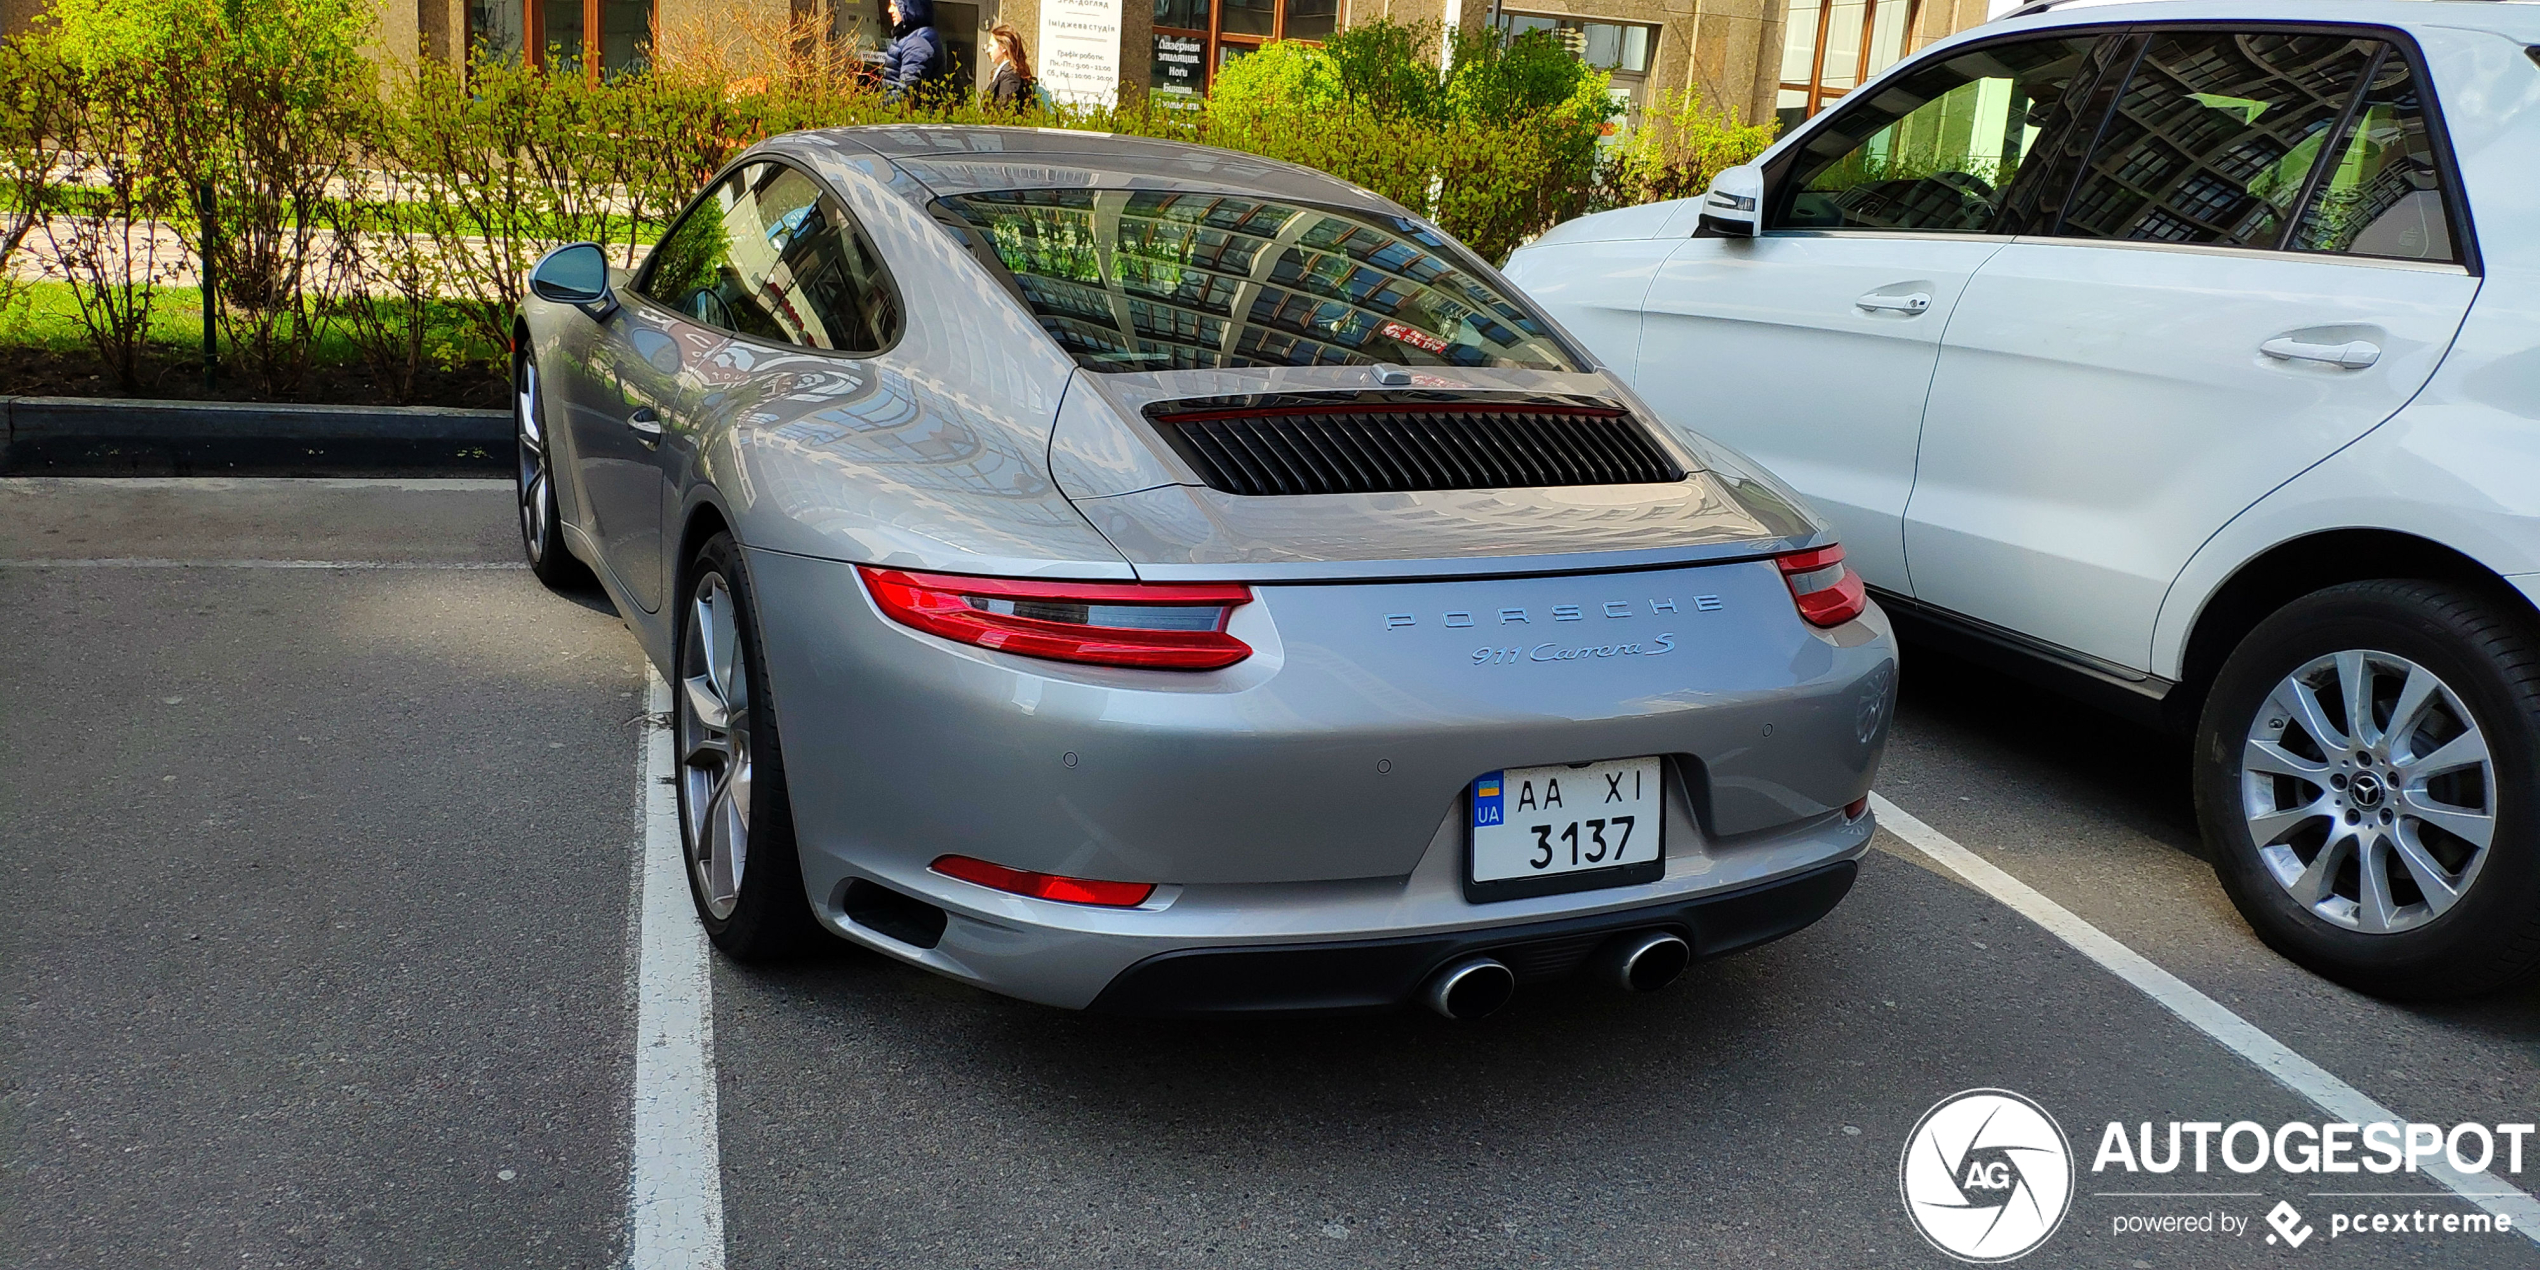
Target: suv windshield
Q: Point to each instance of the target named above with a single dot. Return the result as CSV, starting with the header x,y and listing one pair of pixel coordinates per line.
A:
x,y
1130,280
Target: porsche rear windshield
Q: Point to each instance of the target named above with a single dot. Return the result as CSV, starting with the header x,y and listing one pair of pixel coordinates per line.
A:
x,y
1130,280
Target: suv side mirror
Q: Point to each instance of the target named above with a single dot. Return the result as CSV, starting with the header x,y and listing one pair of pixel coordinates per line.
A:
x,y
576,273
1734,205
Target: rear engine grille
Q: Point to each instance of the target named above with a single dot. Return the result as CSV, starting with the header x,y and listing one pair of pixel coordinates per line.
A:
x,y
1399,449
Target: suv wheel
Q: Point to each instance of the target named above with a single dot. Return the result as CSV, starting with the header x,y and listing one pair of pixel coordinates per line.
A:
x,y
2363,777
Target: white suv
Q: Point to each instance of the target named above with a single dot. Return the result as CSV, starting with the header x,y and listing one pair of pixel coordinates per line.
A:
x,y
2186,355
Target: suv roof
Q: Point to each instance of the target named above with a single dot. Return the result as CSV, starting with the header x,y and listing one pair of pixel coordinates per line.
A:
x,y
2518,19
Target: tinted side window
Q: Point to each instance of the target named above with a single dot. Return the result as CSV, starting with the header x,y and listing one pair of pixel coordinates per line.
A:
x,y
1946,148
767,253
2381,194
2215,136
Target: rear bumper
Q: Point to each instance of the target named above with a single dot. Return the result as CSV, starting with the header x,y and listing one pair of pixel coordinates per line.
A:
x,y
1313,794
1382,974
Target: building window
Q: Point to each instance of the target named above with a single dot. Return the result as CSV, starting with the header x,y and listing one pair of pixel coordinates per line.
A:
x,y
601,38
1194,37
1830,47
1624,50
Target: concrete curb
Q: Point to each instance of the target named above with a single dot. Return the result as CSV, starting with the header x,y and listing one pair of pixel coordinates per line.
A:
x,y
112,435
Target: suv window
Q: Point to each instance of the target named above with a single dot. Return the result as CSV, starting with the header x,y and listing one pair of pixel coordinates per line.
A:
x,y
2216,135
2381,194
1945,147
767,253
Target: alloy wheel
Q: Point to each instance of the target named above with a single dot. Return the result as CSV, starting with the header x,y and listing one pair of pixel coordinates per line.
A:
x,y
714,745
2369,791
537,494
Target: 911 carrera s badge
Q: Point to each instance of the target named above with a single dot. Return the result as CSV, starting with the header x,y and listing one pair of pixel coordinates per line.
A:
x,y
1553,650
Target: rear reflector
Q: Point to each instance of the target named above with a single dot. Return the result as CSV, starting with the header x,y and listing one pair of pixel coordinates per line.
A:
x,y
1154,626
1856,808
1826,590
1044,886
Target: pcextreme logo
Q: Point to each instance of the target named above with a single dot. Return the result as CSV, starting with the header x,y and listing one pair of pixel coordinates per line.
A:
x,y
1987,1175
2288,1224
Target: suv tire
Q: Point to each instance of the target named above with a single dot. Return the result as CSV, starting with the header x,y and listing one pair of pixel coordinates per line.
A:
x,y
2357,852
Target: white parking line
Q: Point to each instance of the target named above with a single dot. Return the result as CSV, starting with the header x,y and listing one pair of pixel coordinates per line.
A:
x,y
163,562
418,484
2339,1099
675,1195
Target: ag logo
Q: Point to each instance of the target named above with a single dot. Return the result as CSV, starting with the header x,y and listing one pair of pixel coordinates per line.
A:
x,y
1987,1175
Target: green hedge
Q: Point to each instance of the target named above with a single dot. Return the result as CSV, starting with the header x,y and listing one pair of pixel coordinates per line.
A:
x,y
340,197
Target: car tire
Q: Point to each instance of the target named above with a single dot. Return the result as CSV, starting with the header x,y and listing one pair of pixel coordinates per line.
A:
x,y
2357,852
534,484
736,824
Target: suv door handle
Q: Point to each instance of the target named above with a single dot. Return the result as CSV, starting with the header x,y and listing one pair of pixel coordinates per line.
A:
x,y
645,424
2351,355
1919,302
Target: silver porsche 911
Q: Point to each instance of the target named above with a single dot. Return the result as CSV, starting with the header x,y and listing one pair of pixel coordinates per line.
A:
x,y
1153,579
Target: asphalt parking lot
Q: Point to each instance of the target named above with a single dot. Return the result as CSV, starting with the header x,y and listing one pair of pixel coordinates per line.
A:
x,y
326,821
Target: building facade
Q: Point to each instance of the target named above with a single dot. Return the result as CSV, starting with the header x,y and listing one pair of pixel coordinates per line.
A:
x,y
1788,58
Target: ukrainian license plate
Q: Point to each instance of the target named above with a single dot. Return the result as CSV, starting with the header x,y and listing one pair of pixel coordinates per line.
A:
x,y
1543,829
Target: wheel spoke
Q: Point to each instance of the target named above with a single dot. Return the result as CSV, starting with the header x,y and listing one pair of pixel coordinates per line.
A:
x,y
2373,906
2469,749
721,852
2301,702
2274,759
2354,684
707,707
723,653
2421,690
2320,875
2269,828
2430,876
731,842
702,619
2476,828
532,427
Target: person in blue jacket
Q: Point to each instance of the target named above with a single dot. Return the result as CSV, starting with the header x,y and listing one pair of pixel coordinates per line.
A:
x,y
919,63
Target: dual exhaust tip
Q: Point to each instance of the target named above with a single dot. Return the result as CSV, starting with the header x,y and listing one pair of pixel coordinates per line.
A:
x,y
1641,961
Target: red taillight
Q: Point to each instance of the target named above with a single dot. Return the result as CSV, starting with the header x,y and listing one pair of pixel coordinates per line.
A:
x,y
1857,808
1159,626
1044,886
1827,591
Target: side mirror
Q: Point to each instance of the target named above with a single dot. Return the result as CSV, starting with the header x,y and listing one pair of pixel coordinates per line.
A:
x,y
576,273
1734,205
